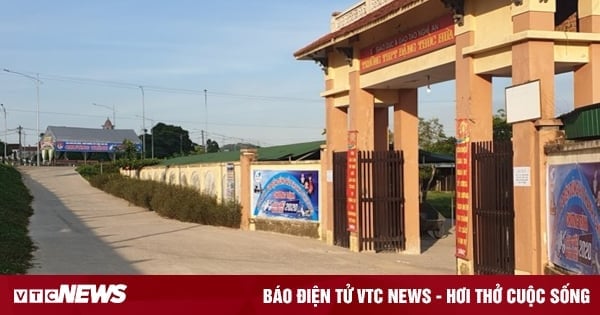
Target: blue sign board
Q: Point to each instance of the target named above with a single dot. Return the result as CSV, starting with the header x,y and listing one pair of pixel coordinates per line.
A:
x,y
286,194
70,146
574,217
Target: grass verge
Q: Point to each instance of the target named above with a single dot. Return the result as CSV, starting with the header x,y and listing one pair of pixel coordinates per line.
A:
x,y
15,245
441,201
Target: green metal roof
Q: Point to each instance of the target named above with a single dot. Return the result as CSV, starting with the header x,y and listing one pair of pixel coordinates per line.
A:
x,y
426,157
294,152
216,157
297,151
582,123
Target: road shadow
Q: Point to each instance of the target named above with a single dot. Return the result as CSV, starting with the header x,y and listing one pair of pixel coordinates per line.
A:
x,y
430,239
65,244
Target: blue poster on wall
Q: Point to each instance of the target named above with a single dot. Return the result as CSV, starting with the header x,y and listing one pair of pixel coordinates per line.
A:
x,y
574,217
286,194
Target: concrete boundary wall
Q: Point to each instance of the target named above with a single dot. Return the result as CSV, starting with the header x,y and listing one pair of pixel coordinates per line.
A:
x,y
227,179
209,178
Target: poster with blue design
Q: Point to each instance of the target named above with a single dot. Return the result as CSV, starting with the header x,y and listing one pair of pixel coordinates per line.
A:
x,y
574,217
286,194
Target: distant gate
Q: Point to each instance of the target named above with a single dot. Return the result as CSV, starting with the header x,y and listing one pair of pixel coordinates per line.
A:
x,y
341,236
381,200
493,207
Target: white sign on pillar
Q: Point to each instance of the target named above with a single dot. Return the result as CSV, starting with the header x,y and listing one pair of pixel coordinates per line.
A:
x,y
523,102
522,176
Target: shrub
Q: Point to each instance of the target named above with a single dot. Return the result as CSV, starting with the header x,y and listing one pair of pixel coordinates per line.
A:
x,y
15,244
136,164
171,201
91,170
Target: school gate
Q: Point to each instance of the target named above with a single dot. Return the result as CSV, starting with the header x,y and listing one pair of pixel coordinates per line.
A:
x,y
493,207
380,192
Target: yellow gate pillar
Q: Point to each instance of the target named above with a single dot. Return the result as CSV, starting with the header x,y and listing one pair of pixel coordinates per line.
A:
x,y
474,123
587,76
336,122
406,138
361,113
533,60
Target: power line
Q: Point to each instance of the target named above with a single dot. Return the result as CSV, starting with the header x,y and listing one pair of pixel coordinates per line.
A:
x,y
133,86
58,113
160,89
174,121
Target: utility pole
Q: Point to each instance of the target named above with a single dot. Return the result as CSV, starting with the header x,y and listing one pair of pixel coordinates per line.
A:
x,y
5,131
37,91
25,144
143,123
203,143
205,115
20,129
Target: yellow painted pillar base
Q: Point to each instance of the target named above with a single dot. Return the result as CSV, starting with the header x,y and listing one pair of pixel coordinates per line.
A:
x,y
464,267
329,238
247,156
354,244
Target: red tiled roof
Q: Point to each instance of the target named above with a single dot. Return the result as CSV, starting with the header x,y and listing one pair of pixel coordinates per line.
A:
x,y
384,11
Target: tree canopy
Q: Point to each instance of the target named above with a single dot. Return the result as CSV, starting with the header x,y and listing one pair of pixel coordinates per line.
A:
x,y
212,146
433,139
169,140
502,130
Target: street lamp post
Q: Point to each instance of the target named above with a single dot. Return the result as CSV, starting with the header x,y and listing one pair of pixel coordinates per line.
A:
x,y
37,89
205,117
152,133
113,110
152,130
5,131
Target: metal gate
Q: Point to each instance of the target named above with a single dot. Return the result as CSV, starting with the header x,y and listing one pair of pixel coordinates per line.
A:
x,y
493,207
341,236
381,200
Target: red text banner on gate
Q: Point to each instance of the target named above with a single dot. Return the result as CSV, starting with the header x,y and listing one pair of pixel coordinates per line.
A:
x,y
420,40
306,294
351,182
463,188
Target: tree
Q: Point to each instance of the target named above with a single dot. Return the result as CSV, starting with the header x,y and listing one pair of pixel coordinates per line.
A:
x,y
433,139
169,140
129,150
502,130
431,132
212,146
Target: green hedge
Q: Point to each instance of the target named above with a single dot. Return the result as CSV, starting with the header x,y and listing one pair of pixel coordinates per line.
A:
x,y
15,210
90,170
171,201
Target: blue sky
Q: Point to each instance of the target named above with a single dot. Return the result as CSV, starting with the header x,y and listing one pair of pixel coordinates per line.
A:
x,y
240,52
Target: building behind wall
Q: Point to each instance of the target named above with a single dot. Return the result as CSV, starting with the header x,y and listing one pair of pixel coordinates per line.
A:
x,y
58,142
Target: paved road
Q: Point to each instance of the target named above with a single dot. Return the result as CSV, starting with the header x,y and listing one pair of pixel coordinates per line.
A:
x,y
81,230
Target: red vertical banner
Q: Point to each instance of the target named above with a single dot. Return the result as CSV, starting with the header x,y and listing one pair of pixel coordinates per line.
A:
x,y
463,188
352,181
